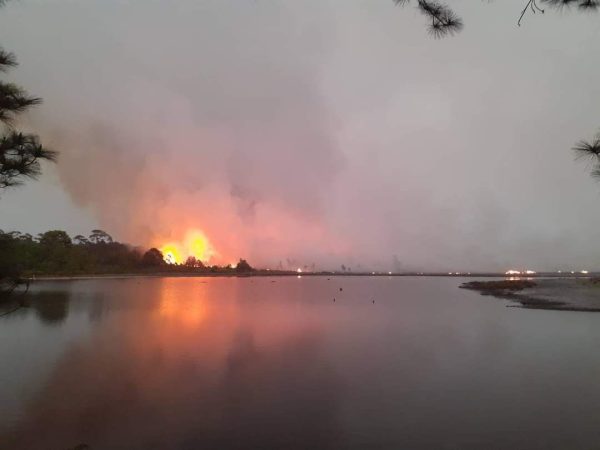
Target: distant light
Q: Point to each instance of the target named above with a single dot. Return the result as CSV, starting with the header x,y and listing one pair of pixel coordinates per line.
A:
x,y
389,273
512,272
572,271
584,271
299,270
449,273
372,273
560,271
456,273
530,272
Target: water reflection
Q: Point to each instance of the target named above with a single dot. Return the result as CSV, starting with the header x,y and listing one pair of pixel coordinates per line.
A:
x,y
184,372
248,363
51,308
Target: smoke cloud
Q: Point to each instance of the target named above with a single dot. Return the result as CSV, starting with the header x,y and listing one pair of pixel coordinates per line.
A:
x,y
322,132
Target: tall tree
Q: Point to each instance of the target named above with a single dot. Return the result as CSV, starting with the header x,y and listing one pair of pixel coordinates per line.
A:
x,y
100,237
20,153
153,258
20,156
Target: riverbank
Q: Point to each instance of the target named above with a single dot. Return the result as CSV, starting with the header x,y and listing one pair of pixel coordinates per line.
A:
x,y
562,294
292,273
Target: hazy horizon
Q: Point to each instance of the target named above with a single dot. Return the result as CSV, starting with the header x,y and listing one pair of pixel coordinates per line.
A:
x,y
328,132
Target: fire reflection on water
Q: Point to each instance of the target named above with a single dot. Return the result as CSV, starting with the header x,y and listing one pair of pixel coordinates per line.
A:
x,y
180,346
185,311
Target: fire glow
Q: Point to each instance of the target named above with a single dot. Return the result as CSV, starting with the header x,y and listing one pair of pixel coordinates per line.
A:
x,y
194,244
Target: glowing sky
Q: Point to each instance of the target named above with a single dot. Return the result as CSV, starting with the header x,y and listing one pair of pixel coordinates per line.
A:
x,y
326,132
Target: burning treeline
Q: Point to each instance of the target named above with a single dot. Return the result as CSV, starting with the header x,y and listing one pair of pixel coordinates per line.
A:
x,y
56,253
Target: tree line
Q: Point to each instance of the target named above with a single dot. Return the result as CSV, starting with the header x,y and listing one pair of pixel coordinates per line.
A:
x,y
56,253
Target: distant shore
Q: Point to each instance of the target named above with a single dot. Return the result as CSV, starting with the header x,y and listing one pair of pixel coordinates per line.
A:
x,y
290,273
230,274
559,294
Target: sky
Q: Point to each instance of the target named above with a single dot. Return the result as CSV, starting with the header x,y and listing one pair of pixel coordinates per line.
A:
x,y
321,132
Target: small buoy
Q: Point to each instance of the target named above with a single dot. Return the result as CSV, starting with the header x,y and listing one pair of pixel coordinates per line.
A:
x,y
334,299
341,289
373,301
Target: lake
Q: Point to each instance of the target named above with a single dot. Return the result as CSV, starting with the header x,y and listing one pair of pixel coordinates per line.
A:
x,y
275,363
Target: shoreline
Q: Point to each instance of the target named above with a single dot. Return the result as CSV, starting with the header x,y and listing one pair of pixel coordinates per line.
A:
x,y
570,293
279,273
559,294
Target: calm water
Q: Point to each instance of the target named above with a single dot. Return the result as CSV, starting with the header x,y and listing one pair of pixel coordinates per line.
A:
x,y
263,363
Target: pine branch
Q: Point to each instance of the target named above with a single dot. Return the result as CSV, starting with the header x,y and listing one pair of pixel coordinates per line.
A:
x,y
443,20
20,156
581,4
7,60
14,100
589,150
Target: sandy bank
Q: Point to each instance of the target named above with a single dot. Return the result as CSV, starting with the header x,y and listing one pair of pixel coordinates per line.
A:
x,y
564,294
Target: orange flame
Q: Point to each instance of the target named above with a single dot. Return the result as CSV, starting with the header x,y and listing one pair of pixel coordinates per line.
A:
x,y
194,244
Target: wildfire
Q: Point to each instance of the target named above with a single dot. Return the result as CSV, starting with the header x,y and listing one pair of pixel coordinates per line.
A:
x,y
171,253
195,244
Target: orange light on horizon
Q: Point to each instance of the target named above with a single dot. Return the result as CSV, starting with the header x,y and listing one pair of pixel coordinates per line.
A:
x,y
195,244
171,253
199,246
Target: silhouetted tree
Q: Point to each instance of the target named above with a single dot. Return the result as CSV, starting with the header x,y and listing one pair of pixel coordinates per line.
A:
x,y
53,254
20,153
26,237
81,240
192,261
153,257
100,237
10,265
55,238
243,266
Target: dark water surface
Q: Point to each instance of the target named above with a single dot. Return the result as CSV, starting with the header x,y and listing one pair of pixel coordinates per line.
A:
x,y
261,363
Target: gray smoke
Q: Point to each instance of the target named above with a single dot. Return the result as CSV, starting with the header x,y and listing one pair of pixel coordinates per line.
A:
x,y
321,131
